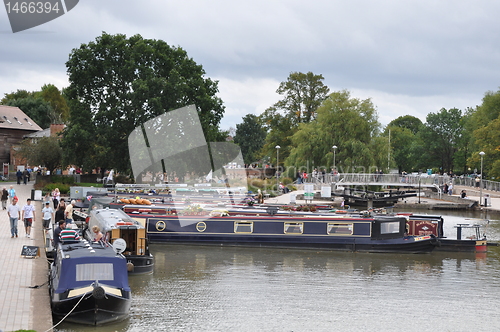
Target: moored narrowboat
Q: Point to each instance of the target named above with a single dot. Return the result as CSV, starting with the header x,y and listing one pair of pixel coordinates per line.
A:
x,y
377,234
468,236
89,284
116,224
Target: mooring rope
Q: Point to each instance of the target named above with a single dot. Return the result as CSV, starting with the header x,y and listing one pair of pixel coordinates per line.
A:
x,y
69,313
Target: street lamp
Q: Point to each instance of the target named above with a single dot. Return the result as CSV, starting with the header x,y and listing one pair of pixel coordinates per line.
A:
x,y
277,167
334,149
334,166
481,182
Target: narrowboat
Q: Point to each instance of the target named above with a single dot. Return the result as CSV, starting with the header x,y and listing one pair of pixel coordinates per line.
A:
x,y
89,284
377,234
468,236
116,224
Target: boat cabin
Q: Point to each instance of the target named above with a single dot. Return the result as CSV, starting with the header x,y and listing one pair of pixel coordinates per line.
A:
x,y
116,224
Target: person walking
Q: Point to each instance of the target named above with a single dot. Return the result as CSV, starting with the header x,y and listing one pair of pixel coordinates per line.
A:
x,y
5,197
56,197
14,215
12,194
48,215
68,212
26,176
19,176
28,215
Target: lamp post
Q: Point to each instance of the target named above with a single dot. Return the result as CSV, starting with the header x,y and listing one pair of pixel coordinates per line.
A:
x,y
481,182
334,166
277,168
334,149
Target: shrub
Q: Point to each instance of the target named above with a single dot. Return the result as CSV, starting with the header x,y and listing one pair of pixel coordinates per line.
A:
x,y
63,188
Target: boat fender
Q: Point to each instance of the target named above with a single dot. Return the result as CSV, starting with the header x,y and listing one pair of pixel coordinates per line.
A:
x,y
99,292
130,266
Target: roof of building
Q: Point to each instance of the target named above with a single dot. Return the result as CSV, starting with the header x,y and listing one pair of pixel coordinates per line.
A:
x,y
53,131
14,118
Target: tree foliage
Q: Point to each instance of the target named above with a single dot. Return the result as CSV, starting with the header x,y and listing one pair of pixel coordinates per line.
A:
x,y
45,151
346,122
402,132
302,95
118,83
36,108
250,136
60,110
44,107
441,134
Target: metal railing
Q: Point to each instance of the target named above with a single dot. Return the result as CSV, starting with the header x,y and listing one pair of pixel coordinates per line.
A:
x,y
388,179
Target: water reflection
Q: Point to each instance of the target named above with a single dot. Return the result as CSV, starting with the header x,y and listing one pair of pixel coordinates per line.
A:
x,y
198,288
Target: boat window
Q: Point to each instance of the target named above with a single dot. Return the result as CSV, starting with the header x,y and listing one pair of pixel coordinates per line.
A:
x,y
294,227
340,229
243,227
94,271
389,227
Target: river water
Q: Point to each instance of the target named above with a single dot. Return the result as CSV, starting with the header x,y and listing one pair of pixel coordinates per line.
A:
x,y
203,288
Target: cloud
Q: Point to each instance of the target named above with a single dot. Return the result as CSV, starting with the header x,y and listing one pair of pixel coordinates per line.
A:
x,y
410,57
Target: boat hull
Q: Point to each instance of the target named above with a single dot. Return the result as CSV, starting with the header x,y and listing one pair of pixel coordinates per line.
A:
x,y
92,311
269,233
140,264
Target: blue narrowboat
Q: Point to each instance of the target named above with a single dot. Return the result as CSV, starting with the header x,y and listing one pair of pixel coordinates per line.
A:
x,y
346,233
89,284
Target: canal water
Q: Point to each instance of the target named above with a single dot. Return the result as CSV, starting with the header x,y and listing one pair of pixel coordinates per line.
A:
x,y
203,288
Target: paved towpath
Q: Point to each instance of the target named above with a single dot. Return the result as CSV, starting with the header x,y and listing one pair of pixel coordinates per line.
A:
x,y
22,307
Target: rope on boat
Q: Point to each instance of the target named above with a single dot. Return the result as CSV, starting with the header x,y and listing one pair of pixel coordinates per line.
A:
x,y
69,313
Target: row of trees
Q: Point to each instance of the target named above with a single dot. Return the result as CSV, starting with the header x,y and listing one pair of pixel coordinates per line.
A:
x,y
119,83
309,121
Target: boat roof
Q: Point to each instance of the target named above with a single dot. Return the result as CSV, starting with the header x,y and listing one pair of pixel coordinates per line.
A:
x,y
108,219
83,249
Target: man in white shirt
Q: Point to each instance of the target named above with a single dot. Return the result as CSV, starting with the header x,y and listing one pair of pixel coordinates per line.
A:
x,y
14,214
48,215
68,213
28,216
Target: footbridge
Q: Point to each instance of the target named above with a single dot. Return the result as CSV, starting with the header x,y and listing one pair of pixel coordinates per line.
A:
x,y
414,180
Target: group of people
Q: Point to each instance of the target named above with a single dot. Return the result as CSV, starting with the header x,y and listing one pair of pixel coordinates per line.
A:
x,y
62,213
26,213
448,189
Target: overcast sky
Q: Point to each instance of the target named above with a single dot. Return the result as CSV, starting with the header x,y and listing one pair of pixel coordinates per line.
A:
x,y
409,57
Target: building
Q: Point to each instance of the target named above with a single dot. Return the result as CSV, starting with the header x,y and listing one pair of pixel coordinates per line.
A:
x,y
14,126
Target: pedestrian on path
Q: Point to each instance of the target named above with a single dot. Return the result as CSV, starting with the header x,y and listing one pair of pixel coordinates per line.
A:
x,y
12,194
19,176
68,212
48,215
5,197
28,216
56,197
14,215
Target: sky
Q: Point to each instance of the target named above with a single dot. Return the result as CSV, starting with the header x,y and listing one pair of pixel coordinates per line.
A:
x,y
410,57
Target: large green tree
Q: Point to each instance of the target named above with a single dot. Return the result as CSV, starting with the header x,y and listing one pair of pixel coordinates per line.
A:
x,y
402,132
118,83
482,127
45,151
346,122
250,136
302,95
52,95
441,136
37,109
44,107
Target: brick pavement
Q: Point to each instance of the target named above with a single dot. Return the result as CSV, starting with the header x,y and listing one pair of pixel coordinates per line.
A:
x,y
22,307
